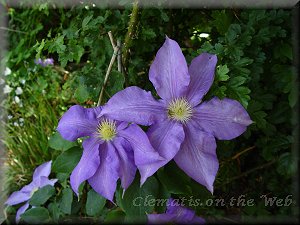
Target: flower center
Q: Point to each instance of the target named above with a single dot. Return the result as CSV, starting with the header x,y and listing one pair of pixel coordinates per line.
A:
x,y
107,130
180,109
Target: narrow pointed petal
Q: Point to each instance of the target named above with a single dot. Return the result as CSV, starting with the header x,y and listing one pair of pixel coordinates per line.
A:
x,y
160,218
225,119
145,157
44,181
87,165
18,197
201,70
197,156
20,211
127,167
134,105
166,138
182,214
78,122
104,181
42,170
168,72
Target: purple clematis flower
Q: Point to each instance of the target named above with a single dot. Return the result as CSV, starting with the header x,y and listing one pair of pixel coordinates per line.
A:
x,y
45,62
182,126
175,214
113,150
39,180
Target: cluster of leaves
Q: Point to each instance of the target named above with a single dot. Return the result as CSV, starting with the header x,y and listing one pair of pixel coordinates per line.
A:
x,y
254,67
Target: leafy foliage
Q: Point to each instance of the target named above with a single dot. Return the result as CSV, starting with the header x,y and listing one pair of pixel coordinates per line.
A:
x,y
255,56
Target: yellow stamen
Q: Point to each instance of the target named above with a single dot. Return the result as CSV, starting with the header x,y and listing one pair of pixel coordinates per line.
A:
x,y
107,130
180,109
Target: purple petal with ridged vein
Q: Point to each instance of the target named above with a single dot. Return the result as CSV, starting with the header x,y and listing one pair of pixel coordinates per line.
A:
x,y
201,70
42,170
197,156
88,164
20,211
127,167
168,72
134,105
18,197
225,119
145,157
104,181
166,138
78,122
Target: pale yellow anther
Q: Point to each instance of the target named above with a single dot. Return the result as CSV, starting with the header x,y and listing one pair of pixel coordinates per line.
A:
x,y
180,109
107,130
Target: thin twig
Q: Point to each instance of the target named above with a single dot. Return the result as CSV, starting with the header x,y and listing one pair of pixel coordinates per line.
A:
x,y
113,58
111,40
242,152
12,30
250,171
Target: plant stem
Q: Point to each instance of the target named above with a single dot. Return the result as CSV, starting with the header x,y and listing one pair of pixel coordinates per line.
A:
x,y
132,27
113,58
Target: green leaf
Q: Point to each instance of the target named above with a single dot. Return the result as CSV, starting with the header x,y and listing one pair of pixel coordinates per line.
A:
x,y
42,195
287,164
85,21
115,216
222,71
81,94
170,180
94,204
115,82
38,215
137,201
54,211
65,204
58,143
67,160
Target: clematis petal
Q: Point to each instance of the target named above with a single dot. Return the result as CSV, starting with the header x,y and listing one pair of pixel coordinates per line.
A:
x,y
20,211
197,156
134,105
225,119
166,138
201,70
127,167
78,122
197,220
42,170
145,157
104,181
160,218
18,197
168,72
87,165
44,181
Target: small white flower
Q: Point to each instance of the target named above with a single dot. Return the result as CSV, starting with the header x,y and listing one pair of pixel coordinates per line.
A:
x,y
7,71
23,81
19,91
9,117
7,89
21,120
2,81
16,124
17,99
